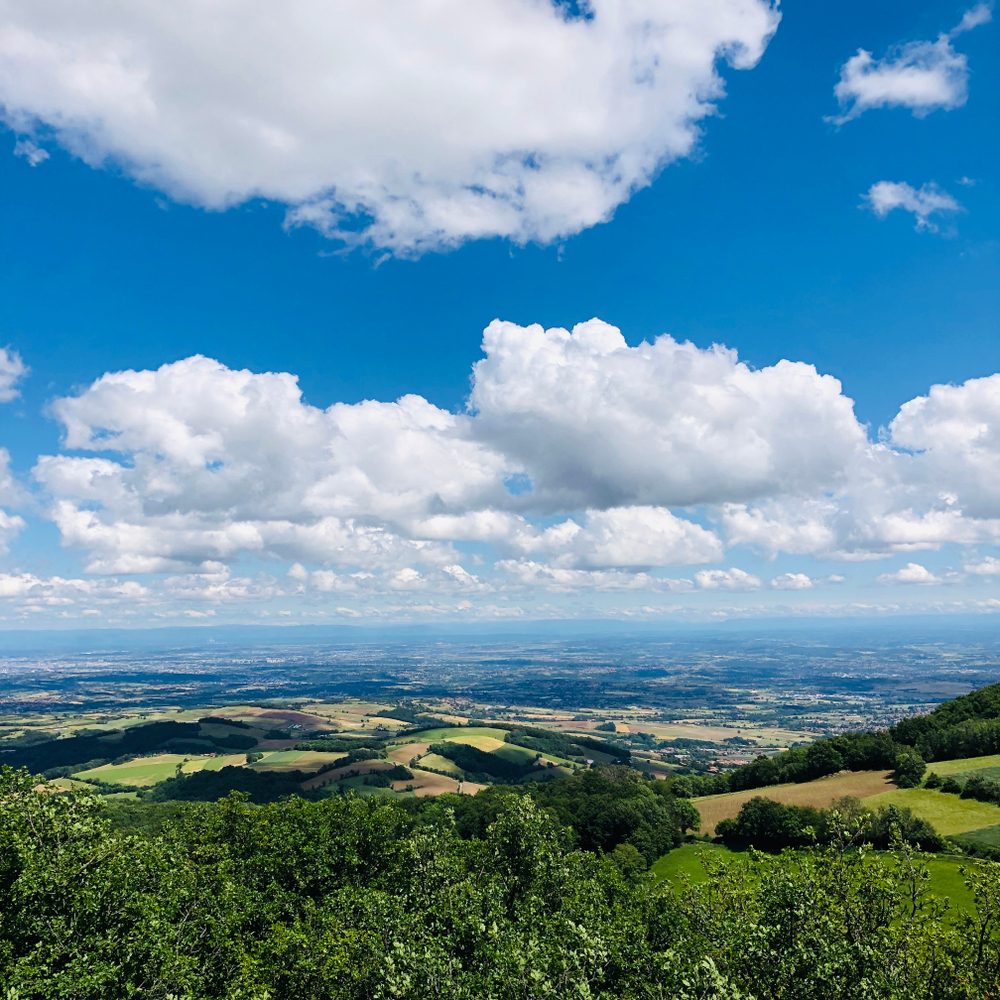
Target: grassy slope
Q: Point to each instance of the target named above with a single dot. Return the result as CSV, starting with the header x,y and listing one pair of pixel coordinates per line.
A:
x,y
946,880
948,813
819,793
966,765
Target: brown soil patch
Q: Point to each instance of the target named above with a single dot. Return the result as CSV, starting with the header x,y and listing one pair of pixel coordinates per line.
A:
x,y
406,753
820,794
425,784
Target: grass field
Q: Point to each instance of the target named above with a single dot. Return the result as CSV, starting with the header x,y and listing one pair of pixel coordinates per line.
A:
x,y
966,765
819,793
441,764
948,813
145,771
988,836
946,880
462,735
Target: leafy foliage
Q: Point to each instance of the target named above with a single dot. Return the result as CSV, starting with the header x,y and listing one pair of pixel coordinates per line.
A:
x,y
352,898
772,826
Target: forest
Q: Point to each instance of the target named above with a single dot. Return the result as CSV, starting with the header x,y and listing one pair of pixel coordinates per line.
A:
x,y
515,897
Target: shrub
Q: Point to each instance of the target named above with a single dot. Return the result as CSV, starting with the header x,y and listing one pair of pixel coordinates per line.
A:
x,y
933,780
910,769
951,785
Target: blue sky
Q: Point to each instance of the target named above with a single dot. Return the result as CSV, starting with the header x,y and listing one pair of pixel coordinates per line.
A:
x,y
756,236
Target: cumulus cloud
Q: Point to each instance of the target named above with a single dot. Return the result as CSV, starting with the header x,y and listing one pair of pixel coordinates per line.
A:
x,y
626,459
922,76
910,573
985,567
792,581
222,462
409,126
886,196
726,579
598,423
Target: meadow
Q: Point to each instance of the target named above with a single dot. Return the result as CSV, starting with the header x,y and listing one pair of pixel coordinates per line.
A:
x,y
686,864
820,794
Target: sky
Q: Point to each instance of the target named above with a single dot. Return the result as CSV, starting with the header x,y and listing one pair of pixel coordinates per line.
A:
x,y
662,310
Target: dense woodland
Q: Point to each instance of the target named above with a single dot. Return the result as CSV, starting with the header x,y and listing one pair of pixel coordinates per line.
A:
x,y
355,898
233,884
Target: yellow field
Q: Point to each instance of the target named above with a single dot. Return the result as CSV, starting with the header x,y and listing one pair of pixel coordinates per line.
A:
x,y
819,794
947,813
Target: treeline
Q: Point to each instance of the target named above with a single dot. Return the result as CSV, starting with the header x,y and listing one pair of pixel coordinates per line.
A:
x,y
850,752
357,899
772,826
967,726
602,809
104,746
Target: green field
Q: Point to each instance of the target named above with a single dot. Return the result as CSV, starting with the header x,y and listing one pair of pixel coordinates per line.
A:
x,y
145,771
461,735
947,813
949,768
946,880
441,764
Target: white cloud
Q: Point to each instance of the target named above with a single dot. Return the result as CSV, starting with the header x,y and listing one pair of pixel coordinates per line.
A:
x,y
598,423
432,122
528,573
792,581
222,462
922,76
954,435
631,455
722,579
31,151
12,370
985,567
910,573
886,196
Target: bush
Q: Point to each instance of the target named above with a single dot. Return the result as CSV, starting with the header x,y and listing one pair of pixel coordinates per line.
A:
x,y
933,780
910,769
772,826
981,789
952,786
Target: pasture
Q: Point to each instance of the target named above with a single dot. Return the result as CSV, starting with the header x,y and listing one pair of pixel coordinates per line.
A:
x,y
820,793
145,771
948,813
946,879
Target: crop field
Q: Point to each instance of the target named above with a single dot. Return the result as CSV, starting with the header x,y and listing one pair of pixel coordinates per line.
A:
x,y
146,771
407,751
948,813
469,736
946,880
340,775
440,764
819,793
